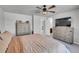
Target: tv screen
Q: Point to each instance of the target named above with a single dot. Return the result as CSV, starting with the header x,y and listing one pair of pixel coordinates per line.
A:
x,y
63,22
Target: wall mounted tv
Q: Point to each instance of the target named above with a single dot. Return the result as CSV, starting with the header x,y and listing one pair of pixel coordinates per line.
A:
x,y
66,21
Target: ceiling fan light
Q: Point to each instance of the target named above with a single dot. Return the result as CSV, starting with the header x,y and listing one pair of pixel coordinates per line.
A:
x,y
44,13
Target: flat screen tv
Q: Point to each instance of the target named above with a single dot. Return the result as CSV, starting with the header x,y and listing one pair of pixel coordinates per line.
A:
x,y
66,21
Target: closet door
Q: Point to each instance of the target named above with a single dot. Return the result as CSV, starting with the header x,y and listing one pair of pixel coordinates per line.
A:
x,y
39,24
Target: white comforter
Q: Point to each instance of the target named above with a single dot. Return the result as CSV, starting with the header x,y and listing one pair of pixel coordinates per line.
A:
x,y
43,44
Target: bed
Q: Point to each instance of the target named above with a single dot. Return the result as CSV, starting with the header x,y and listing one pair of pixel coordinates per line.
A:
x,y
34,43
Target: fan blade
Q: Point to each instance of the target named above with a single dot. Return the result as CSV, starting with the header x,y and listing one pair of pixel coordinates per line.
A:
x,y
52,11
51,7
38,7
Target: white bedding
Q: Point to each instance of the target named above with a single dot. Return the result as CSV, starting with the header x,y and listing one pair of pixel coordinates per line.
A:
x,y
43,44
37,43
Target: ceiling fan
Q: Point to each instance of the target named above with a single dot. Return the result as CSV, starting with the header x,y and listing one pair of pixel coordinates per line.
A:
x,y
46,9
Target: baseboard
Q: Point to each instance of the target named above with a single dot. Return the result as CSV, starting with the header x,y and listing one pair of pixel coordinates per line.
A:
x,y
76,43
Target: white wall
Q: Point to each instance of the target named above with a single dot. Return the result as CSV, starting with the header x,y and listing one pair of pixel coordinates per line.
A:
x,y
10,21
1,20
75,22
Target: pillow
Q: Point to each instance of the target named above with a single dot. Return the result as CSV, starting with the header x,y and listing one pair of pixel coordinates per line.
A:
x,y
6,36
5,40
3,46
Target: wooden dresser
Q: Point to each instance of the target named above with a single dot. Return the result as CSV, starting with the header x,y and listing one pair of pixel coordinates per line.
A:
x,y
63,33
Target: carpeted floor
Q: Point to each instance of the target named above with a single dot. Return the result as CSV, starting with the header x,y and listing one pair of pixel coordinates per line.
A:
x,y
74,48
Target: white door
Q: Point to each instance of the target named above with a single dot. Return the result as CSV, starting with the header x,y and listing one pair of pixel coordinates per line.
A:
x,y
39,24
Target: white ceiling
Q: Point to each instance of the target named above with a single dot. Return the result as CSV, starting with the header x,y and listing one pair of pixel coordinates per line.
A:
x,y
31,9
